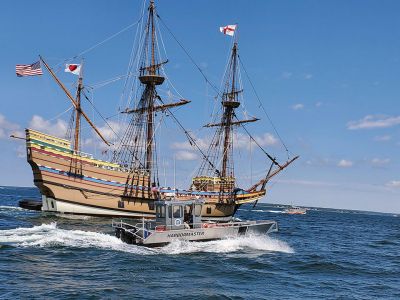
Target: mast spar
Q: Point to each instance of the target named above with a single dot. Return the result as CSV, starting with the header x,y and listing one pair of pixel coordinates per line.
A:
x,y
78,111
220,151
137,149
74,102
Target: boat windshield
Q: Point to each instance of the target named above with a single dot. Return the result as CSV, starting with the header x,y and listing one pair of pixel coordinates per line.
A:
x,y
160,211
175,211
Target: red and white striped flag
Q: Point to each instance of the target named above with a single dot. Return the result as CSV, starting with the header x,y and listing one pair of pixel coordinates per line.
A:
x,y
228,29
29,70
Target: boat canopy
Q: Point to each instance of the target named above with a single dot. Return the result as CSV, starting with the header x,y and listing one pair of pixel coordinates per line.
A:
x,y
178,214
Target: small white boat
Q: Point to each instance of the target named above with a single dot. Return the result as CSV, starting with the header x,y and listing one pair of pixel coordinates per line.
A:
x,y
295,210
181,220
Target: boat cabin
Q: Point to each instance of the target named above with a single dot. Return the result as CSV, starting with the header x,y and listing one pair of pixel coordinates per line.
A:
x,y
178,214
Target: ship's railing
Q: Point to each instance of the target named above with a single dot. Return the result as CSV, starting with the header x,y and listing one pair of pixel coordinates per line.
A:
x,y
133,229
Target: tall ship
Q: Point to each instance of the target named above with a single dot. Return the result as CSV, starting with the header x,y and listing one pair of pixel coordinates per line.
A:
x,y
73,182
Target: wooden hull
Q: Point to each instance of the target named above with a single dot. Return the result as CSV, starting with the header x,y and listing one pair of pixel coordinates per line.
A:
x,y
80,184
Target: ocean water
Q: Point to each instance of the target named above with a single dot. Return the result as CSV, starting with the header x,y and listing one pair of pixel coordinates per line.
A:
x,y
325,254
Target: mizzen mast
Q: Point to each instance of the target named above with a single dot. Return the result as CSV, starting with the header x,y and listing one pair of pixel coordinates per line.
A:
x,y
229,103
220,151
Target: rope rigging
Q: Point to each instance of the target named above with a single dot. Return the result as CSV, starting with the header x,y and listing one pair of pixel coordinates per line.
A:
x,y
99,113
191,140
262,106
189,56
262,149
99,43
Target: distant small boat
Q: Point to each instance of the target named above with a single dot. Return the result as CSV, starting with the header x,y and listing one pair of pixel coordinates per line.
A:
x,y
295,210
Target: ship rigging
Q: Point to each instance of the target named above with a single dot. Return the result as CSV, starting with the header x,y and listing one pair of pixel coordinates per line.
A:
x,y
129,184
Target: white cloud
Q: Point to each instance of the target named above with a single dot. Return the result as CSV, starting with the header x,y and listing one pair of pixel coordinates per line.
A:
x,y
308,76
287,75
21,151
319,162
117,128
204,65
380,162
374,121
318,104
267,139
307,182
185,155
382,138
297,106
8,128
345,163
57,128
393,184
241,141
186,145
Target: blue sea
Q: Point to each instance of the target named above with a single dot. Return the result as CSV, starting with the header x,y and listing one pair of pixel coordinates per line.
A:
x,y
325,254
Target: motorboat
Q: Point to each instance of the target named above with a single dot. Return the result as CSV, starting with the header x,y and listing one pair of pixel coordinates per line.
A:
x,y
182,220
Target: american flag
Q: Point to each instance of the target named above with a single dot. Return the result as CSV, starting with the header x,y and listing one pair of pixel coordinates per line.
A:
x,y
29,70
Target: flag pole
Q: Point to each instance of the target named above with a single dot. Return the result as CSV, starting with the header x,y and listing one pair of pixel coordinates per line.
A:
x,y
73,101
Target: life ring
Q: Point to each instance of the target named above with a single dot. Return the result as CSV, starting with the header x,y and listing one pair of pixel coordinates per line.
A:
x,y
178,222
161,228
204,225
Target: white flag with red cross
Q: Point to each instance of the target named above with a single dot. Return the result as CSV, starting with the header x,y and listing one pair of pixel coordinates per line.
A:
x,y
228,29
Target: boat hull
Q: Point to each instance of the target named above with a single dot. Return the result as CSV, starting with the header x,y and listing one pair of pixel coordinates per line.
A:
x,y
79,184
134,235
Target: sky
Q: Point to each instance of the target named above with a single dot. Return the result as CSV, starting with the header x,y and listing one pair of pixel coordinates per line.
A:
x,y
326,72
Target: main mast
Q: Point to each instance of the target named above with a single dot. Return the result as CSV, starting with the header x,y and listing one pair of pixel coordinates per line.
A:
x,y
149,76
137,149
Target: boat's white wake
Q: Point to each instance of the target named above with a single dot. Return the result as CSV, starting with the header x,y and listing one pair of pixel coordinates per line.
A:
x,y
74,217
5,207
48,235
261,243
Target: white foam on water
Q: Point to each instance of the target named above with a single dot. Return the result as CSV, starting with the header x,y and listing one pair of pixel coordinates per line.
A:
x,y
275,211
48,236
73,217
10,207
261,243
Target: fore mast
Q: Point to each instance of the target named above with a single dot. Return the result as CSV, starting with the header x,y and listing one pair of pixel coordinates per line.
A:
x,y
75,167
